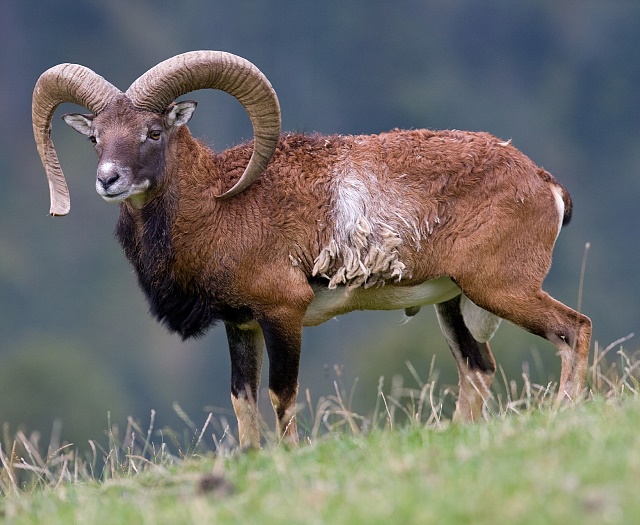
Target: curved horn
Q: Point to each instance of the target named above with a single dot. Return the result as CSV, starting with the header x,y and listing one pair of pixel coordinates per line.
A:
x,y
64,83
179,75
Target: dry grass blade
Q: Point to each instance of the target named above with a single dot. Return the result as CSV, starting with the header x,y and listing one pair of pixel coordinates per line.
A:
x,y
8,472
137,451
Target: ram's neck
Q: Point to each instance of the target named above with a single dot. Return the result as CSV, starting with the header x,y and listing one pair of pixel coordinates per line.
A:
x,y
197,167
147,238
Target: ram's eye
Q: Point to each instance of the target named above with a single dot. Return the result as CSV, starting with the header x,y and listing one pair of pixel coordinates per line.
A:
x,y
93,139
154,134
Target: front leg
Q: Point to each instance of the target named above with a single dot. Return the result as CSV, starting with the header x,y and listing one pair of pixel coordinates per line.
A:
x,y
283,335
246,346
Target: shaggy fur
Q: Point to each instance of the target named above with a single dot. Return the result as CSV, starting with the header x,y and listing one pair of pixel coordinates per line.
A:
x,y
337,223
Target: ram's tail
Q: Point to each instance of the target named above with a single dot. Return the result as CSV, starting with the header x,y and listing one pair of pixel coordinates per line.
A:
x,y
568,206
561,195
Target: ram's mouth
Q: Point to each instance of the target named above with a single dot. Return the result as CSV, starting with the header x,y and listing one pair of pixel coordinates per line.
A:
x,y
118,197
134,191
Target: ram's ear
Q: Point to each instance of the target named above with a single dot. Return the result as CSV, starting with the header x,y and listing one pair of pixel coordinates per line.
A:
x,y
179,113
81,123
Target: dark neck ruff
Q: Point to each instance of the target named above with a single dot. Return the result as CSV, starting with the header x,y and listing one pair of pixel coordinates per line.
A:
x,y
185,309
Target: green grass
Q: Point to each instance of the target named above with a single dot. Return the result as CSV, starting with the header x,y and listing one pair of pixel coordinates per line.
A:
x,y
528,462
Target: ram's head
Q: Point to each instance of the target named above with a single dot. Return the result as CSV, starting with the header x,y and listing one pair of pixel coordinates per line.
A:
x,y
134,123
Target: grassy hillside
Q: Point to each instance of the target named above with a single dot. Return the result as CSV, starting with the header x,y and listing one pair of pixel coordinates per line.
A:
x,y
528,462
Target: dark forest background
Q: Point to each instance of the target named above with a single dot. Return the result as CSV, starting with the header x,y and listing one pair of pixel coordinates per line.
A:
x,y
558,78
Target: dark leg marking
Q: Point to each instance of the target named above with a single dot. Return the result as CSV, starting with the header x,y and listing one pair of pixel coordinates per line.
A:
x,y
246,345
476,365
283,348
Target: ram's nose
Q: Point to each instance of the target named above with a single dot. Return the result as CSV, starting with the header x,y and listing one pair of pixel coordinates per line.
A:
x,y
110,178
106,181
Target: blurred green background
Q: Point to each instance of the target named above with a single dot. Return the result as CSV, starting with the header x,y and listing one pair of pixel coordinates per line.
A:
x,y
558,78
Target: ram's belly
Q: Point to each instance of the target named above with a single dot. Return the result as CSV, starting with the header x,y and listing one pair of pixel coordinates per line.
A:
x,y
331,302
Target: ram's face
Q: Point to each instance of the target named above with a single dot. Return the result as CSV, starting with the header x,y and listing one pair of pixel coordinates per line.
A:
x,y
131,145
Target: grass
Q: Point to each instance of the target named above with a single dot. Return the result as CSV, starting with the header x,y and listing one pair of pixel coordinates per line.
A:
x,y
528,462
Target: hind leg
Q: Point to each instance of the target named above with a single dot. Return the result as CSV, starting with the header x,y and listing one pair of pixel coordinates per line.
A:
x,y
476,365
501,267
540,314
570,332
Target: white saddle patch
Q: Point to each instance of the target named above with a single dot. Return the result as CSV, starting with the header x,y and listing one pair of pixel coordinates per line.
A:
x,y
367,227
366,258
